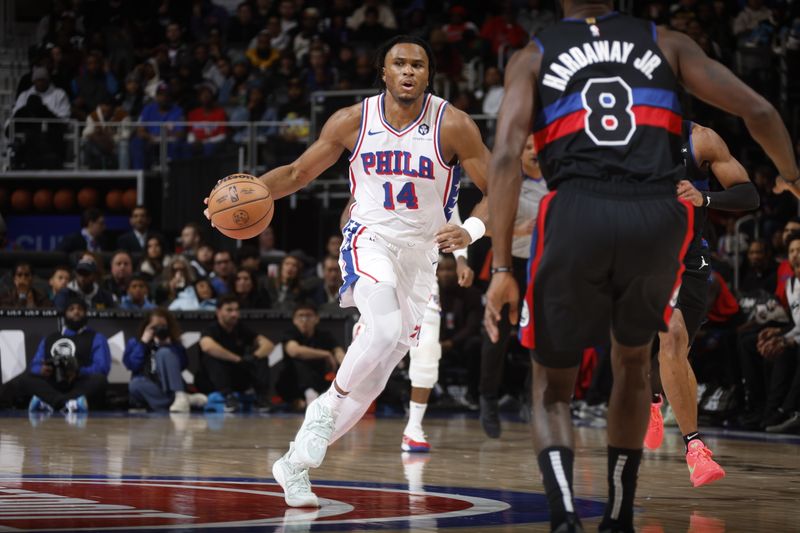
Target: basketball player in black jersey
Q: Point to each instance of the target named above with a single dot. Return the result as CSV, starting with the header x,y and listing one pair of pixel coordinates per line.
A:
x,y
703,152
598,91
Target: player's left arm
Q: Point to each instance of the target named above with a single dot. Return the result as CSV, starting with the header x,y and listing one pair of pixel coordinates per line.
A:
x,y
739,195
464,141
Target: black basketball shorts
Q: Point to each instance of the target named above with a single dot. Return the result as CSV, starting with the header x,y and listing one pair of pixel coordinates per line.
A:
x,y
607,258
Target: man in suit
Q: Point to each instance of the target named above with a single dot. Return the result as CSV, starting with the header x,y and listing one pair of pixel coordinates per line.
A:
x,y
135,241
90,237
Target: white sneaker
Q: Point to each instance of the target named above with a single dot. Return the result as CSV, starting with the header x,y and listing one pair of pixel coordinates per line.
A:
x,y
198,399
181,403
293,479
314,435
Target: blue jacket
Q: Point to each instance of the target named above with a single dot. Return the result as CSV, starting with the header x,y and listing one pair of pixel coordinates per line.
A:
x,y
101,355
136,354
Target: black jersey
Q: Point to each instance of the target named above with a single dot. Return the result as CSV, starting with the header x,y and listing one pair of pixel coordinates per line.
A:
x,y
698,173
608,107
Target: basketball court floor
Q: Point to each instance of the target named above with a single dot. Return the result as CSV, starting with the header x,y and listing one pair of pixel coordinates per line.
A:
x,y
212,473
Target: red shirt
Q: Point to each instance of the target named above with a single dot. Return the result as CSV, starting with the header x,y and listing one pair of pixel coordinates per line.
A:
x,y
785,273
498,31
205,132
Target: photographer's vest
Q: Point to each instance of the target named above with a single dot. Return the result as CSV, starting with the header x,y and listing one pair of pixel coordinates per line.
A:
x,y
78,346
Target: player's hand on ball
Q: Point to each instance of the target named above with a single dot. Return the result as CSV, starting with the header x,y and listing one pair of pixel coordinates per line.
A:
x,y
205,211
451,238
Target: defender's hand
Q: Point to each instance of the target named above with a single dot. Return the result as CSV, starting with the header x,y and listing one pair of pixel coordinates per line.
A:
x,y
451,238
465,274
502,290
687,191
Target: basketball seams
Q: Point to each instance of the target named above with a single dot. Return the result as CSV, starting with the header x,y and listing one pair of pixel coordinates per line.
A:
x,y
269,212
222,206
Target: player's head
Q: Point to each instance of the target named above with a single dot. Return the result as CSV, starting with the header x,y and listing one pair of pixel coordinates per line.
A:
x,y
406,67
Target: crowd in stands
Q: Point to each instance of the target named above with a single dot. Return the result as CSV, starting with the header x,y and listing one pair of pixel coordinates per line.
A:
x,y
204,60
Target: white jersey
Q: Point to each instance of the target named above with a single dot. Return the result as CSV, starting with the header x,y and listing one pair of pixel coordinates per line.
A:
x,y
531,193
404,190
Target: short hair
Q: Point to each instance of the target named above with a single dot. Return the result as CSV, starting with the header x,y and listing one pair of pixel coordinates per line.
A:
x,y
90,215
305,304
20,264
67,268
401,39
226,299
793,236
138,276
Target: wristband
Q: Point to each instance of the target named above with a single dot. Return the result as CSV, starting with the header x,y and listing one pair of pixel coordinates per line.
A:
x,y
475,227
461,252
499,270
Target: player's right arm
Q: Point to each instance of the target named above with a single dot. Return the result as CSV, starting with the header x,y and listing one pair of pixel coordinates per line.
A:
x,y
338,133
713,83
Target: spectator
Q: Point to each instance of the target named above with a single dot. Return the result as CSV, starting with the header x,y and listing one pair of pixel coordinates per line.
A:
x,y
203,262
135,241
277,39
296,113
163,112
242,27
327,292
383,13
91,236
249,295
785,270
132,100
454,30
205,138
220,76
189,240
731,246
177,277
288,13
365,73
307,33
313,355
262,56
121,273
105,137
247,257
137,297
533,18
69,367
84,285
502,31
58,280
460,334
235,358
23,294
241,82
319,76
332,246
176,48
206,17
156,359
154,260
285,290
760,270
95,85
370,33
448,60
199,297
54,101
266,246
222,277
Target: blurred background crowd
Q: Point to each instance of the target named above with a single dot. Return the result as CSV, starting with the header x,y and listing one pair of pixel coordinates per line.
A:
x,y
160,85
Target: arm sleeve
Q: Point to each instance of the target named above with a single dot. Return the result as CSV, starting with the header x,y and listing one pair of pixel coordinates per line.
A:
x,y
739,197
101,357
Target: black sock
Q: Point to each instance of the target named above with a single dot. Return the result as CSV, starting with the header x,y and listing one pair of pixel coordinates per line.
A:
x,y
695,435
555,463
623,469
656,398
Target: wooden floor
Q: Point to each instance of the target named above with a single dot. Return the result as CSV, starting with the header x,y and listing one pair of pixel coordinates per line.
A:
x,y
180,471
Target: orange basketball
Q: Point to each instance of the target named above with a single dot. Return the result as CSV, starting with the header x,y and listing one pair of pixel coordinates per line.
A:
x,y
129,199
43,200
87,197
240,206
64,199
21,200
114,200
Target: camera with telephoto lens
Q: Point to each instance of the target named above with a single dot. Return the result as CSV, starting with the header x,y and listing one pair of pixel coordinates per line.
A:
x,y
161,333
64,364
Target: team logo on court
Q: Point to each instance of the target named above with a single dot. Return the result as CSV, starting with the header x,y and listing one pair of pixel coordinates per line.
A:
x,y
423,129
97,503
240,217
524,315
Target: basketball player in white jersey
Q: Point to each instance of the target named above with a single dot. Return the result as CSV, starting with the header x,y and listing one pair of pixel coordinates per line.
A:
x,y
404,144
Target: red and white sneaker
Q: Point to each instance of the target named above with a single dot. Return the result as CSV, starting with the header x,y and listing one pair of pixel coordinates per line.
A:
x,y
415,446
702,468
655,429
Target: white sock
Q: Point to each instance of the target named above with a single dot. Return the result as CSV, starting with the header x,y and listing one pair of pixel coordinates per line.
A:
x,y
416,412
333,399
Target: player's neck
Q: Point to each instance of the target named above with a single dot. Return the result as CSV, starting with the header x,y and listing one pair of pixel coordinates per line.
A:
x,y
401,114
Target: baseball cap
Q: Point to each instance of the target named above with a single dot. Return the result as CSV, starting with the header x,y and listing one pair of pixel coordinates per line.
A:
x,y
39,73
86,266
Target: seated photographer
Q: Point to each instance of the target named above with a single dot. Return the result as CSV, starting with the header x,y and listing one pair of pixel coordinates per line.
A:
x,y
69,366
156,359
235,358
313,354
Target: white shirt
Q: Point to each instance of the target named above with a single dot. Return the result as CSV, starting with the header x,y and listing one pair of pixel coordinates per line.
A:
x,y
54,98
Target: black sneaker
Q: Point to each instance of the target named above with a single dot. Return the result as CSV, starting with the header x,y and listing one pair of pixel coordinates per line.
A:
x,y
263,405
789,425
232,404
571,525
490,417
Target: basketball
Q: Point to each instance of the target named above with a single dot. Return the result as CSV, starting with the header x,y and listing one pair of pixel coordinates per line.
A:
x,y
43,200
114,200
64,199
129,199
21,200
240,206
87,197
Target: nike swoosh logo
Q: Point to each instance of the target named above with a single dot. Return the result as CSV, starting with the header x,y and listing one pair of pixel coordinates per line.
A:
x,y
370,132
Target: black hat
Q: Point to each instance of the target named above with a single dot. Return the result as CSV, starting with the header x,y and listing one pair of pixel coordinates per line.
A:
x,y
86,266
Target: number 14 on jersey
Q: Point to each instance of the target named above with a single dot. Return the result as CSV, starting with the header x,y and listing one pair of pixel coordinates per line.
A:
x,y
407,196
